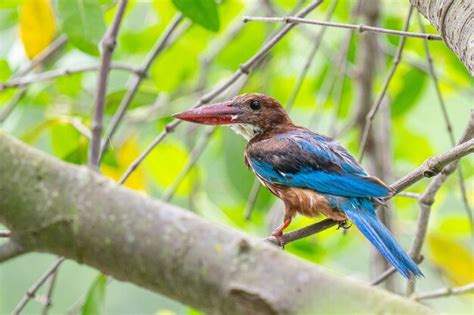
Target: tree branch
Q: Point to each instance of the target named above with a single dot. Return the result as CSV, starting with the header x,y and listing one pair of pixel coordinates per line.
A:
x,y
108,46
361,28
425,202
429,168
133,238
53,74
244,69
160,45
9,250
434,165
443,292
31,292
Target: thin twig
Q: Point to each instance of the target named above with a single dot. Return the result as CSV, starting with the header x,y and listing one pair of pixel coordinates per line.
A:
x,y
390,271
49,292
434,165
5,233
195,154
303,232
361,28
373,110
215,47
339,74
9,250
159,46
243,69
309,60
252,199
53,74
427,199
108,45
31,292
409,195
13,102
443,292
447,122
45,54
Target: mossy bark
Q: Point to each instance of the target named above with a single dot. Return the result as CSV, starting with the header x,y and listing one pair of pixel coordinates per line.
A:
x,y
54,207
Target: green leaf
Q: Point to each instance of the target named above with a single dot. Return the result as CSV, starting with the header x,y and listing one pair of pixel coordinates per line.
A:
x,y
5,70
202,12
10,4
64,139
95,297
409,92
83,23
8,18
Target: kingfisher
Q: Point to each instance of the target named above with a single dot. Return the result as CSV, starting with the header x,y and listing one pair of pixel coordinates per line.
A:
x,y
311,173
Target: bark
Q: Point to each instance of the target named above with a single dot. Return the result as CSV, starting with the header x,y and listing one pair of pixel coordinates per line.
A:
x,y
454,20
67,210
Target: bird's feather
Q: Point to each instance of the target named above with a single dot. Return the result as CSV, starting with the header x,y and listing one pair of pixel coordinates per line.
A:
x,y
301,158
362,213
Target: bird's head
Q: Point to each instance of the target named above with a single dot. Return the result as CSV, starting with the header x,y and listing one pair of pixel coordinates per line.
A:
x,y
247,114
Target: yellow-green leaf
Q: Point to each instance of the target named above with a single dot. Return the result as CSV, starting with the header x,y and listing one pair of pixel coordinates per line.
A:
x,y
452,257
166,163
37,26
5,70
125,155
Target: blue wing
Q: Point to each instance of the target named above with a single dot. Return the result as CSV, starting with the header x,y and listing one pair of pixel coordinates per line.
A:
x,y
301,158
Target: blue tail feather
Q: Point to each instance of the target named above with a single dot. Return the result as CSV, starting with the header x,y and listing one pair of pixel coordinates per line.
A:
x,y
362,213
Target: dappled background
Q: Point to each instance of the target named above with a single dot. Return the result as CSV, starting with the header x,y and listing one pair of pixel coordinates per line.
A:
x,y
50,106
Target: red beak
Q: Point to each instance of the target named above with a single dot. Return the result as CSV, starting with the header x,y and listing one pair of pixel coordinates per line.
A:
x,y
214,114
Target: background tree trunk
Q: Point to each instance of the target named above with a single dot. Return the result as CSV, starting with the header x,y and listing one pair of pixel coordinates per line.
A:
x,y
378,159
454,20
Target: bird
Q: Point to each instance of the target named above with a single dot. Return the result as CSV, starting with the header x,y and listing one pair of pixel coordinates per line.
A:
x,y
311,173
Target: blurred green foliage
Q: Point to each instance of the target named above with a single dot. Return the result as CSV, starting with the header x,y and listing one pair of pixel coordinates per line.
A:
x,y
50,115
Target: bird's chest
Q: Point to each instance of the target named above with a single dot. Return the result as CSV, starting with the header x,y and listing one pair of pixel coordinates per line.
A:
x,y
304,201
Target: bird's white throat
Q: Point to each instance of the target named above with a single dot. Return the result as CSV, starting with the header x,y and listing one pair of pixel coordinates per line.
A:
x,y
246,130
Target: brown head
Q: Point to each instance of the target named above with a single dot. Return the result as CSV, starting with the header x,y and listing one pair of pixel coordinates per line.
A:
x,y
247,114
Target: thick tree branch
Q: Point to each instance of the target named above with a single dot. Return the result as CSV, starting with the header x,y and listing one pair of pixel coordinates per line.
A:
x,y
9,250
54,207
454,20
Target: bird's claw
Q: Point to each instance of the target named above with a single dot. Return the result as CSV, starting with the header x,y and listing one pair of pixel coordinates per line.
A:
x,y
280,239
344,225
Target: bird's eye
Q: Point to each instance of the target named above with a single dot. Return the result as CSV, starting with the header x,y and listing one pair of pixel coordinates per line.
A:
x,y
255,105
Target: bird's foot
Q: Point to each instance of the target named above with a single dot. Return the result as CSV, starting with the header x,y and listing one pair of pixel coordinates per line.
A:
x,y
344,225
280,239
